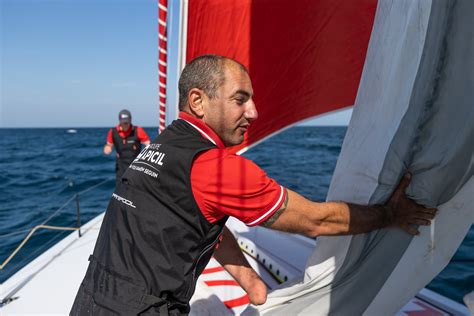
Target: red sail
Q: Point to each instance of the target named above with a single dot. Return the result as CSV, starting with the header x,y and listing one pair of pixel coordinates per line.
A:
x,y
305,57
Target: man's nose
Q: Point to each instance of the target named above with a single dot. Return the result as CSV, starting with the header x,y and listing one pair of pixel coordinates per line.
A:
x,y
251,113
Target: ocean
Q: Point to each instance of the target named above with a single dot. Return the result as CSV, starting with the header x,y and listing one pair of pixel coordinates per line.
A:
x,y
43,169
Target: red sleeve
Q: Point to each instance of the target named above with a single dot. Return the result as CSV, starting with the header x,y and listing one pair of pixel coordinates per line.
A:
x,y
142,135
227,184
110,140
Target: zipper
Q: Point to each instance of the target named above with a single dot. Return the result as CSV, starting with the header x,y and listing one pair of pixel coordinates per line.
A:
x,y
211,246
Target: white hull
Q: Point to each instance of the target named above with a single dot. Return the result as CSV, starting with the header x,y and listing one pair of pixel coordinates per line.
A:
x,y
48,285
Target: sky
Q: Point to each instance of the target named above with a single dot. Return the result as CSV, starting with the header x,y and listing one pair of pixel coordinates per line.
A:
x,y
77,63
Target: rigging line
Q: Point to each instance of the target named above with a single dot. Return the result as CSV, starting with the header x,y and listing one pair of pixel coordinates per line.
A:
x,y
42,225
15,233
29,236
94,186
59,209
55,192
40,209
38,250
72,198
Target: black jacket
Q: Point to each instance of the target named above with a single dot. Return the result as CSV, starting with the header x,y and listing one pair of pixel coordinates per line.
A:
x,y
154,241
127,148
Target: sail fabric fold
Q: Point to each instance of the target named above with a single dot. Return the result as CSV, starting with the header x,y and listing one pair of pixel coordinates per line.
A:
x,y
414,111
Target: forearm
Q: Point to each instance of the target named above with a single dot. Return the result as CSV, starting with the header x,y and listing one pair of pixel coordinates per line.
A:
x,y
399,211
347,218
328,218
302,216
229,255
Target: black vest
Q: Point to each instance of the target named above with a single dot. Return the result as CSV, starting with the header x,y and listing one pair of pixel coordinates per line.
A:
x,y
154,240
127,148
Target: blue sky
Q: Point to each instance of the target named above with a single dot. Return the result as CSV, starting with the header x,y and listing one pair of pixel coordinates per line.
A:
x,y
77,63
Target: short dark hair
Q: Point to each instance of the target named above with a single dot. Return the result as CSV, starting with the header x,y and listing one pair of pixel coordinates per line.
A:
x,y
206,73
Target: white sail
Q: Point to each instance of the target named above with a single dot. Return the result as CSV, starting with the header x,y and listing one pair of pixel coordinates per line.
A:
x,y
414,111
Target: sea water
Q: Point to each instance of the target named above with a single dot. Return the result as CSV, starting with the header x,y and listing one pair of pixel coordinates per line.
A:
x,y
42,170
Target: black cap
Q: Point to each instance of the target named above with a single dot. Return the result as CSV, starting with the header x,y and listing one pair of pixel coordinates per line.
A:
x,y
125,116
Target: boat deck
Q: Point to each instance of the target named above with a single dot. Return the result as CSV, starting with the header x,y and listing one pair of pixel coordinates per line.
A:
x,y
49,283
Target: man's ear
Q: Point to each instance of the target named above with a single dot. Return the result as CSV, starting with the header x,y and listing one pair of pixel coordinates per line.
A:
x,y
196,98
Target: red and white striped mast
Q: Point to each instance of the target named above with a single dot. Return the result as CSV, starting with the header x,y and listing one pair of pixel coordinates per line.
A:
x,y
162,60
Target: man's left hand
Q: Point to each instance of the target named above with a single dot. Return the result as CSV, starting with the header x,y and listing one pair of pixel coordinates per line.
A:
x,y
406,213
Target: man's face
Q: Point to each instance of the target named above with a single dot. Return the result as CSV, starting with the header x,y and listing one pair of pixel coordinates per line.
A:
x,y
230,113
125,126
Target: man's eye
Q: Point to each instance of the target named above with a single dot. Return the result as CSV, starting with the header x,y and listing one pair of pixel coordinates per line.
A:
x,y
240,101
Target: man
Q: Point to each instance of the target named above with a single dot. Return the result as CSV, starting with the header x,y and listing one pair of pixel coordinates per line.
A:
x,y
167,216
126,139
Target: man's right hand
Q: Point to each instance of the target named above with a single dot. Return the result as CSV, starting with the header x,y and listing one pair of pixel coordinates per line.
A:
x,y
406,213
107,149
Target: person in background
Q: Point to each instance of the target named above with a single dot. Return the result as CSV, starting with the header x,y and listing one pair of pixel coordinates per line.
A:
x,y
127,140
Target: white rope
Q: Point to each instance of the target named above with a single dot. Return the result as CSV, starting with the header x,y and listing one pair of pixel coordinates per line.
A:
x,y
162,7
163,63
42,225
29,236
162,37
161,22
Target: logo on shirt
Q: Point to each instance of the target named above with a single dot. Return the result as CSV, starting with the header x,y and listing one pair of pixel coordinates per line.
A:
x,y
151,154
150,157
123,200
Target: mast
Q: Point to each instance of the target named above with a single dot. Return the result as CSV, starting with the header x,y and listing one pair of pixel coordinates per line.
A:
x,y
162,61
172,56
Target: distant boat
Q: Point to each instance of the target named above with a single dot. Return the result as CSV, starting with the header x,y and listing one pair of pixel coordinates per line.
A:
x,y
71,131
